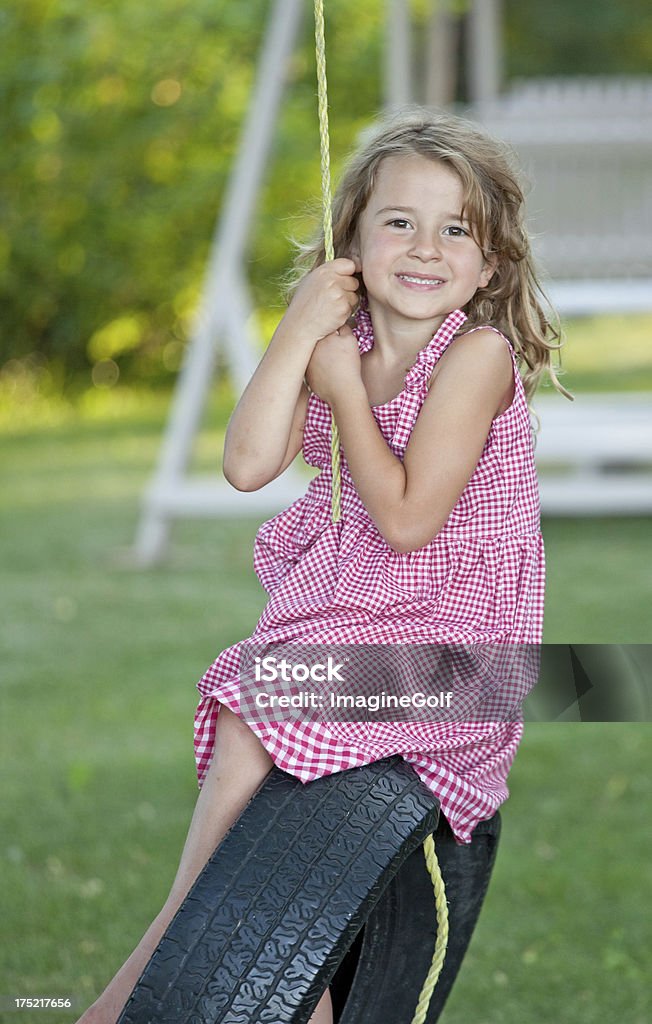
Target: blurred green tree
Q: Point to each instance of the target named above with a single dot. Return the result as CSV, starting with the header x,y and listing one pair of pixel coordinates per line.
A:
x,y
121,126
577,37
121,123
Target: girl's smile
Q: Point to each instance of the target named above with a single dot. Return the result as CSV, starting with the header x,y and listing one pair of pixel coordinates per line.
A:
x,y
421,281
418,256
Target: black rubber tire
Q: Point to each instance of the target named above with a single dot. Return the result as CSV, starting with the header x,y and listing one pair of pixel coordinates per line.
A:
x,y
381,976
269,920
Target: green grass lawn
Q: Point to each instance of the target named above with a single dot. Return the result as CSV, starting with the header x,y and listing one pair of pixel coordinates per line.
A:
x,y
99,666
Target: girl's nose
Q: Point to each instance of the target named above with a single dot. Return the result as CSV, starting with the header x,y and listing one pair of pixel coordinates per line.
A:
x,y
425,247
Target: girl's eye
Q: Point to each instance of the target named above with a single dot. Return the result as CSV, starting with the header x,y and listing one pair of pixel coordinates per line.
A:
x,y
455,231
399,222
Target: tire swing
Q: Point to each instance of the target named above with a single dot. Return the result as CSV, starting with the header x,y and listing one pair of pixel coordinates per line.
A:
x,y
313,885
322,884
267,924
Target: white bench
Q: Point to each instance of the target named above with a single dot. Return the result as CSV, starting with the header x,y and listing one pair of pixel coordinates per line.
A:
x,y
594,455
586,147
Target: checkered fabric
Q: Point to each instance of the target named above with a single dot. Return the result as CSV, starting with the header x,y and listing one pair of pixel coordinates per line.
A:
x,y
480,580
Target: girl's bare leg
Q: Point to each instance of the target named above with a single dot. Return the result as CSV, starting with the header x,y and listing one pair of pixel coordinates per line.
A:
x,y
240,764
323,1011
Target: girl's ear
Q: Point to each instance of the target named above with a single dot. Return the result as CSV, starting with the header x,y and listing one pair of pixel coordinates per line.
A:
x,y
354,254
354,251
488,270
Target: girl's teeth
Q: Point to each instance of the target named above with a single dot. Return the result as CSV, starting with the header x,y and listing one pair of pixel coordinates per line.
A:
x,y
421,280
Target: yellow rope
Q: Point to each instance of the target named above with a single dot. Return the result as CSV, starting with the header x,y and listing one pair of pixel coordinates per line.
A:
x,y
322,96
428,846
442,932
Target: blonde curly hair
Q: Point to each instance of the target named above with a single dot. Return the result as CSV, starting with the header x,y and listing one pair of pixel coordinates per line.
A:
x,y
513,300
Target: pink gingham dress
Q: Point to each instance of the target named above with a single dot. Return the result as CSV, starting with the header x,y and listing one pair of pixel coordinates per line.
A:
x,y
480,580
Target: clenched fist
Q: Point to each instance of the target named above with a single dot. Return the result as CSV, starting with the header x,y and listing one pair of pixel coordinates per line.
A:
x,y
335,365
324,300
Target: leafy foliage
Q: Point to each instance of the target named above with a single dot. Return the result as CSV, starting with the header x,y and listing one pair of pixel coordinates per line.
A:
x,y
122,122
579,37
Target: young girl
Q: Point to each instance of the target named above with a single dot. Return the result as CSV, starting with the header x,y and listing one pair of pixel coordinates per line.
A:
x,y
413,336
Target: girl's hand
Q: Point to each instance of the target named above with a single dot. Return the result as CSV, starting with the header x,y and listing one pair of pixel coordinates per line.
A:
x,y
335,366
324,300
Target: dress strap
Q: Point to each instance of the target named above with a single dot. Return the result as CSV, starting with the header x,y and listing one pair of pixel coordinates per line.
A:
x,y
415,387
422,369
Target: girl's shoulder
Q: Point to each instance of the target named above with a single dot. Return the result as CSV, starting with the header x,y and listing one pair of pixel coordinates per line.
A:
x,y
483,344
483,350
484,334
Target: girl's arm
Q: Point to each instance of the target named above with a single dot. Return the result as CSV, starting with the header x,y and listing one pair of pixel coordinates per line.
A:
x,y
266,429
410,501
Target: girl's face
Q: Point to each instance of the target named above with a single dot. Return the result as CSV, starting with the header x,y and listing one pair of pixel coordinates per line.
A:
x,y
419,260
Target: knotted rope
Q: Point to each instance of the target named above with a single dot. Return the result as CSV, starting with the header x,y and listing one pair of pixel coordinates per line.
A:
x,y
329,254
